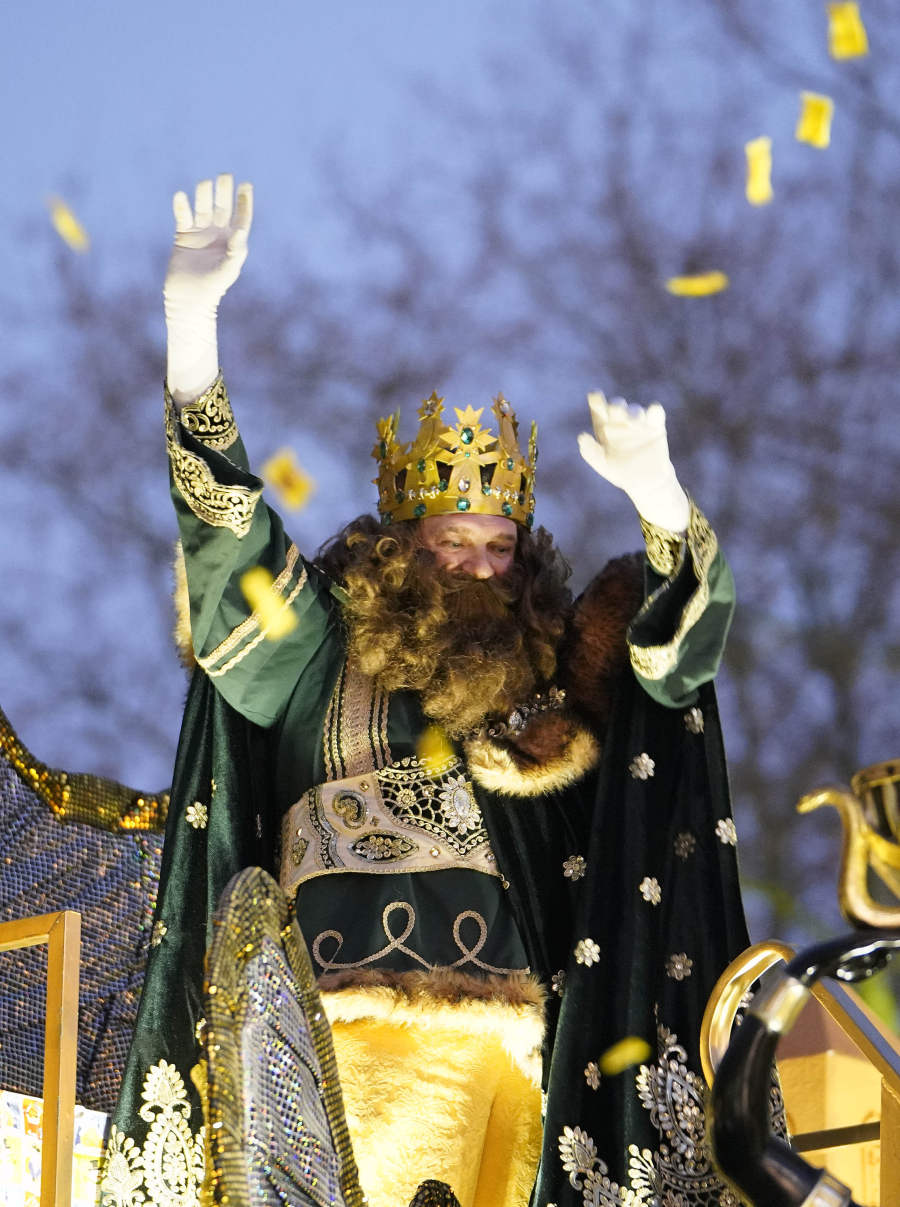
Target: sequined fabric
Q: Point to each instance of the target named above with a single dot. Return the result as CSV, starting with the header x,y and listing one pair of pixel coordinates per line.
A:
x,y
110,878
277,1130
434,1194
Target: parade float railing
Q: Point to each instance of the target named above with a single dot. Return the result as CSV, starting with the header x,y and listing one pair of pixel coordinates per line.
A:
x,y
867,1033
61,932
870,816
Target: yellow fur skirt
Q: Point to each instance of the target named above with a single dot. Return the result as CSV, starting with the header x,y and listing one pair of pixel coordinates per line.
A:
x,y
440,1075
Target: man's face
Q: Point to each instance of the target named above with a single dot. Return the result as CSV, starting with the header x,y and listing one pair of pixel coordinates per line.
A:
x,y
481,545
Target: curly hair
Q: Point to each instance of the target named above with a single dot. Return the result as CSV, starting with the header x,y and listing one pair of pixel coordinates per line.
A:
x,y
472,648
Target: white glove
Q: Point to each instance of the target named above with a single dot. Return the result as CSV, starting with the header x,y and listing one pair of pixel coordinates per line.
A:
x,y
210,249
629,449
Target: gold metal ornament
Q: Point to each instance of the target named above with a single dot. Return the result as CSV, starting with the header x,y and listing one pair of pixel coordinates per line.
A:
x,y
460,468
870,816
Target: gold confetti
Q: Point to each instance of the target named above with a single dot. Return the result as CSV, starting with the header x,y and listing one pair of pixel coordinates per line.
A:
x,y
814,124
275,619
434,748
846,33
759,170
621,1056
283,473
700,285
67,225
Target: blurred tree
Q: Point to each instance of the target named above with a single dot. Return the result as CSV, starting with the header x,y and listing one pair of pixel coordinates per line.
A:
x,y
532,257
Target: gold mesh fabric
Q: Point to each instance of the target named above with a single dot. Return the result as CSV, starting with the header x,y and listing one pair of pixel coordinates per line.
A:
x,y
53,856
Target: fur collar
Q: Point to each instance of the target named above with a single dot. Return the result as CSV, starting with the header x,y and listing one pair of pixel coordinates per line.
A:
x,y
558,748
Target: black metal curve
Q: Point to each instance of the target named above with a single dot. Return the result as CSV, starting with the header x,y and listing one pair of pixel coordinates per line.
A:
x,y
762,1167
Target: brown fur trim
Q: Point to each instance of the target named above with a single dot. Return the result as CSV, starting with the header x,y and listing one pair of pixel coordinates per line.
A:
x,y
511,1006
595,650
560,753
182,630
448,984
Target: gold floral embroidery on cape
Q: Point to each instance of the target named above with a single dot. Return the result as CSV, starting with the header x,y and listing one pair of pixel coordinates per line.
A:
x,y
168,1170
589,1174
679,1173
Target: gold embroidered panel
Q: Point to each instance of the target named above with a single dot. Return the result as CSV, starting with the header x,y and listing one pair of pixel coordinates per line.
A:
x,y
212,502
656,661
408,817
210,417
355,736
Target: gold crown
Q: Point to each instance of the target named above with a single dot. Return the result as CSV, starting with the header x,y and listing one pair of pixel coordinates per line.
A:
x,y
462,467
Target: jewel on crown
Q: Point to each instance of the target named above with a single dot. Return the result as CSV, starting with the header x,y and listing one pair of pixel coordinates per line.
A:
x,y
461,468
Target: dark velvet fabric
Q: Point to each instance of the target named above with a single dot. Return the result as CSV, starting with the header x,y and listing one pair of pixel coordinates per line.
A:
x,y
627,829
217,747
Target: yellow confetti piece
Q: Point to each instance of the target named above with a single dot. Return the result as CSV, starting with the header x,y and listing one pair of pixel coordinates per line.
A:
x,y
284,474
814,124
700,285
621,1056
847,37
434,747
759,170
275,619
67,225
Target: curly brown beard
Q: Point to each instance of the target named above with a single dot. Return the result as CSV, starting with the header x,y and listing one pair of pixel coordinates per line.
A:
x,y
472,648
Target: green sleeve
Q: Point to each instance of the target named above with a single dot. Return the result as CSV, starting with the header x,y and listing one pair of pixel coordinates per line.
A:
x,y
676,640
226,529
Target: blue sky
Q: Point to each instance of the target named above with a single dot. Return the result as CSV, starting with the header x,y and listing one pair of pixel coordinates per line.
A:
x,y
118,104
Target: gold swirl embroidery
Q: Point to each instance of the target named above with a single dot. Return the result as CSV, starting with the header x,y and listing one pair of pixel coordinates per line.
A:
x,y
469,952
212,502
664,548
656,661
210,417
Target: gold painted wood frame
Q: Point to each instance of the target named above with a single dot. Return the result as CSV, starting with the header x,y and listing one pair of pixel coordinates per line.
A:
x,y
61,932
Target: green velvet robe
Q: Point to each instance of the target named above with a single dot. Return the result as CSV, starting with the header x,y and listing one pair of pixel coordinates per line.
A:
x,y
620,891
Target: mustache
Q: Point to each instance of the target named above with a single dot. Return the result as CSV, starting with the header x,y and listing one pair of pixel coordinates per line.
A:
x,y
466,598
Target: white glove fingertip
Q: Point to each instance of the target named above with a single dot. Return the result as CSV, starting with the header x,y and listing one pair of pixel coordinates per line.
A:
x,y
203,203
181,208
617,412
224,199
656,414
244,211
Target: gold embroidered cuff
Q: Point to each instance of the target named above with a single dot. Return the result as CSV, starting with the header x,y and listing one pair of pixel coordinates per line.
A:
x,y
656,661
216,504
664,547
210,417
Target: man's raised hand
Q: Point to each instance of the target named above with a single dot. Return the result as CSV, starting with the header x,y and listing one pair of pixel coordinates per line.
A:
x,y
209,251
210,242
630,449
